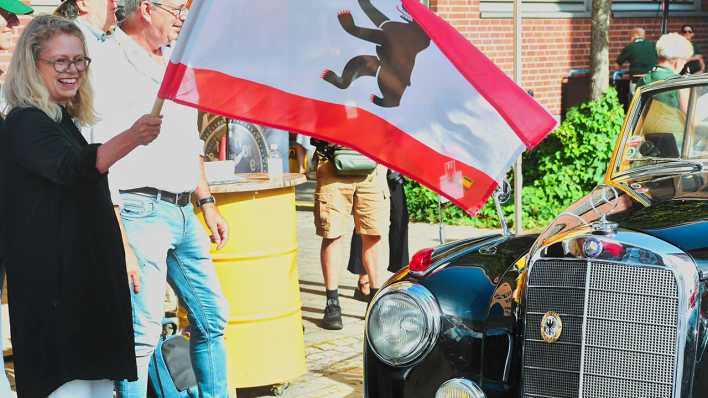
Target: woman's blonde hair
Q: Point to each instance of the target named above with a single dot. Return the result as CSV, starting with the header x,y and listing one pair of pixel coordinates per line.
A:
x,y
24,86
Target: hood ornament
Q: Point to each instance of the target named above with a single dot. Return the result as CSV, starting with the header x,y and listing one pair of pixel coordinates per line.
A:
x,y
603,200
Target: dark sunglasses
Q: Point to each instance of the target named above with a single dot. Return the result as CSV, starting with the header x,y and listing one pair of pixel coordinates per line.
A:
x,y
687,31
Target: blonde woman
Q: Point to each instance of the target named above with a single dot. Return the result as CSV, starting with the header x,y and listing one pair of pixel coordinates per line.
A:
x,y
69,297
672,50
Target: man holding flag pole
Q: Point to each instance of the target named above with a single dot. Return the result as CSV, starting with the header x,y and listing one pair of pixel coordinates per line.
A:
x,y
156,185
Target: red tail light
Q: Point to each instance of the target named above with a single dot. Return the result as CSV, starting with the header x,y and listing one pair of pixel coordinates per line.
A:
x,y
422,260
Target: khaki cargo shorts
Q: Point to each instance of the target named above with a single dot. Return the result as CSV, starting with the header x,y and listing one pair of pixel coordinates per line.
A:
x,y
338,198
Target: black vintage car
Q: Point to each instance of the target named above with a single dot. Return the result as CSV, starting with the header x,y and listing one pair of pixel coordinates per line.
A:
x,y
611,300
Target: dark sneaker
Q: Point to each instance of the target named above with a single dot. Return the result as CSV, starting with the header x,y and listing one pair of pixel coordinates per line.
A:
x,y
332,319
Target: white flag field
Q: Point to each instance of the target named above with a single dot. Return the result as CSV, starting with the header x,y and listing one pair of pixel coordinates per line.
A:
x,y
388,78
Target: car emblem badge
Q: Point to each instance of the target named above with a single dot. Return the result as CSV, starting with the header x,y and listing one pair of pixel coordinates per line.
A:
x,y
551,327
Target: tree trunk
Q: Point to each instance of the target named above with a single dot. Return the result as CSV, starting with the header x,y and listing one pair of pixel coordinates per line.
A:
x,y
600,47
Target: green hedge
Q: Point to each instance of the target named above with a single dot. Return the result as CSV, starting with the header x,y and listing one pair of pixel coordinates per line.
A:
x,y
563,168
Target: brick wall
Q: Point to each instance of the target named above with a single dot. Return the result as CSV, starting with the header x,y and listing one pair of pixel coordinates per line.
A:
x,y
550,46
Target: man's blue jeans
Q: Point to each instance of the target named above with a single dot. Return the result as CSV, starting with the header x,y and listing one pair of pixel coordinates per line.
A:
x,y
170,244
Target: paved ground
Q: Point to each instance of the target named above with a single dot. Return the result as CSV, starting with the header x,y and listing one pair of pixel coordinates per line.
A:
x,y
334,357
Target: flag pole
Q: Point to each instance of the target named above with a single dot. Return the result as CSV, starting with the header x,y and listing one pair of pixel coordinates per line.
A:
x,y
159,102
518,176
157,106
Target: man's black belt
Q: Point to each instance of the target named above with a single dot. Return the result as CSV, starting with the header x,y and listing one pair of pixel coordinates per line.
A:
x,y
179,199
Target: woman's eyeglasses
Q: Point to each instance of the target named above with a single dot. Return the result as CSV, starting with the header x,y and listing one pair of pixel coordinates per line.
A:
x,y
64,64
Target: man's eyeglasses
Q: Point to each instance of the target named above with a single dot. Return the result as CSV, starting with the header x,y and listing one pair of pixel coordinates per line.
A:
x,y
64,64
687,31
178,13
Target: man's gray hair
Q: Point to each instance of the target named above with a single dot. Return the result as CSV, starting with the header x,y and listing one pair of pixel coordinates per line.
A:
x,y
129,6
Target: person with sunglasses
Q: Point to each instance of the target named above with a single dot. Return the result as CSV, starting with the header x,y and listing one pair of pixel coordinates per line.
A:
x,y
156,187
70,309
695,64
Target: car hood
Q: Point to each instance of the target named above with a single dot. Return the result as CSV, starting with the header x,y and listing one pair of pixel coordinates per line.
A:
x,y
674,209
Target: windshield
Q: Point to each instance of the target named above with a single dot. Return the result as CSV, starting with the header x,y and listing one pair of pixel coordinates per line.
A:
x,y
673,126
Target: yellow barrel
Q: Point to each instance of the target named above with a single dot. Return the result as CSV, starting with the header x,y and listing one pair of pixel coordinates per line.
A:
x,y
258,273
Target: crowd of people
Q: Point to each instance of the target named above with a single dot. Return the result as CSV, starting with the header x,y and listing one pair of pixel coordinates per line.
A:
x,y
648,60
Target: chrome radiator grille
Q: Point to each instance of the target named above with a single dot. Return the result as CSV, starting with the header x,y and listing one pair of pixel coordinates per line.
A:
x,y
629,344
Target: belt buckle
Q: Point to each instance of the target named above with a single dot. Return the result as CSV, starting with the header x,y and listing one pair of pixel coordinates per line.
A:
x,y
182,198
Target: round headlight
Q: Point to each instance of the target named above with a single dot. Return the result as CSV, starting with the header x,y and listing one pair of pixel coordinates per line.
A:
x,y
403,323
459,388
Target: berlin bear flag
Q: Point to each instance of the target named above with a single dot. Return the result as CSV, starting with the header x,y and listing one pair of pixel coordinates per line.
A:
x,y
388,78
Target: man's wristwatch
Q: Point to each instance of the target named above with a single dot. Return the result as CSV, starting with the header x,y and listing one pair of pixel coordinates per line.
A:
x,y
209,199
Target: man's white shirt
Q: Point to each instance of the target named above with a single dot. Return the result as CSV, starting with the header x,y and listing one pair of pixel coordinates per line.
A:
x,y
125,90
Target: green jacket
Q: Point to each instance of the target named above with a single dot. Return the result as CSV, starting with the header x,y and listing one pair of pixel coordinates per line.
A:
x,y
661,73
641,55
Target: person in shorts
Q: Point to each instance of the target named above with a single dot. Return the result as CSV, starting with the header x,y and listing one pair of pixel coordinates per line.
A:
x,y
337,198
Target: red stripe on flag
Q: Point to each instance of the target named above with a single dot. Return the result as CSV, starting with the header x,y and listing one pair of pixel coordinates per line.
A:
x,y
353,127
525,116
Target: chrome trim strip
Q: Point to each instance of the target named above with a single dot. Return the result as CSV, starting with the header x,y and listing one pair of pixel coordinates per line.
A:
x,y
507,364
541,396
629,378
599,318
583,333
552,369
556,343
564,315
633,294
603,347
556,287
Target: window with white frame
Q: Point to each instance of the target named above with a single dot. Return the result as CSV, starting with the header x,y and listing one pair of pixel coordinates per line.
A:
x,y
572,8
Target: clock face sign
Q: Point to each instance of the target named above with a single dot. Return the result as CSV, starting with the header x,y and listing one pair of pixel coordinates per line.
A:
x,y
247,146
211,129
